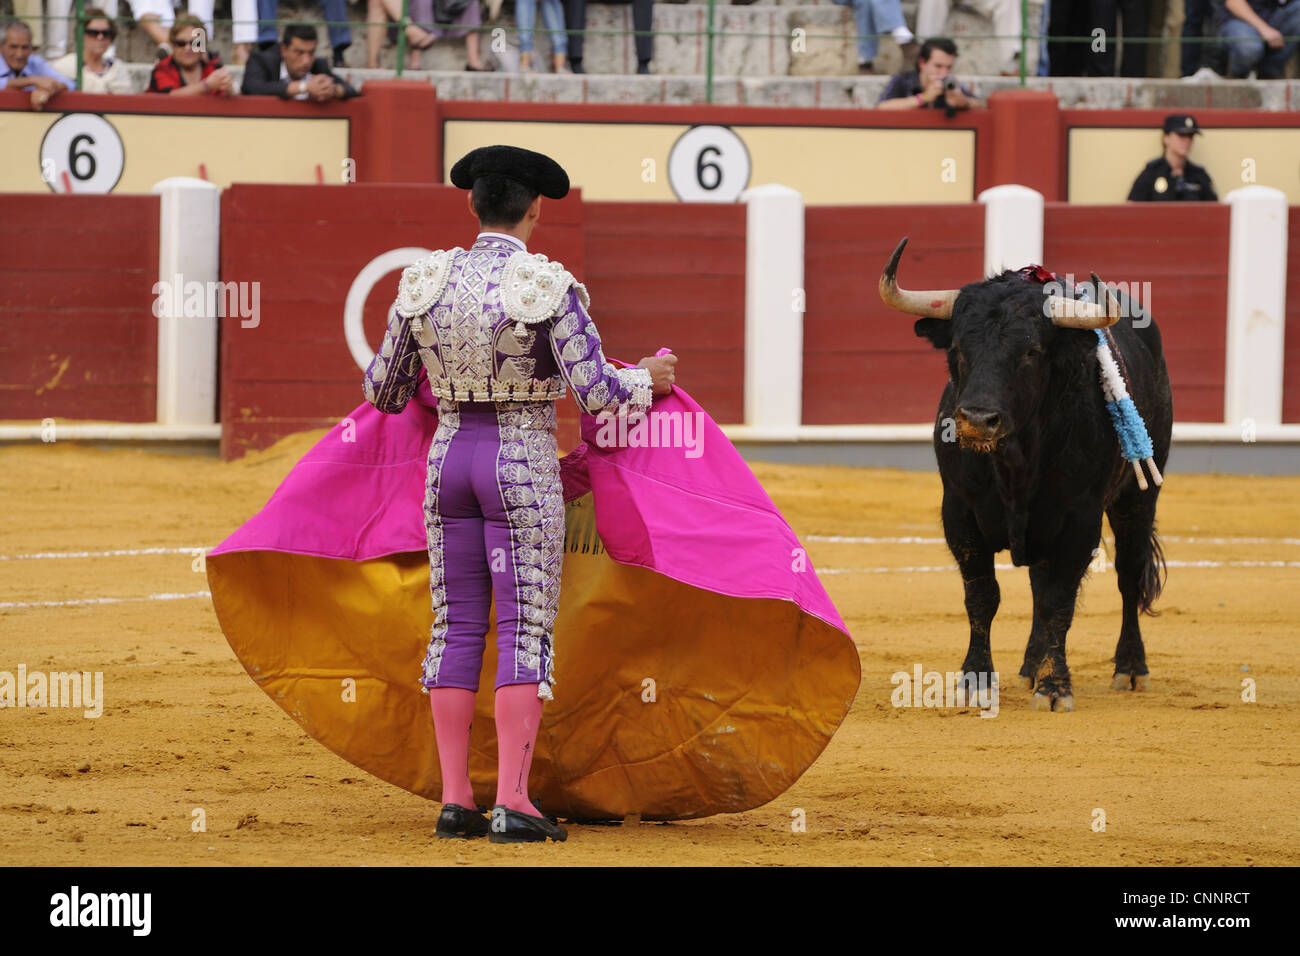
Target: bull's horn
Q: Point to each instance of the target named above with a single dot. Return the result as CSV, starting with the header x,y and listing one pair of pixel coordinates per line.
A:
x,y
1073,314
937,304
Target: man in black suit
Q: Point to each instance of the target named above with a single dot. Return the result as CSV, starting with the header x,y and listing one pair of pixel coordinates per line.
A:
x,y
292,71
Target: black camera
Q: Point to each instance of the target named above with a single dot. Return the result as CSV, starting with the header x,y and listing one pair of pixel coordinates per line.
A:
x,y
950,84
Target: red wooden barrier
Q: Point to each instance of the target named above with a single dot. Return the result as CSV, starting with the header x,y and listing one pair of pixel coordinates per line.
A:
x,y
862,362
1291,360
1182,250
673,275
79,338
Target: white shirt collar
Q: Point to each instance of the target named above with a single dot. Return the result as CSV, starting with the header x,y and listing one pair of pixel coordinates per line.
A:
x,y
515,240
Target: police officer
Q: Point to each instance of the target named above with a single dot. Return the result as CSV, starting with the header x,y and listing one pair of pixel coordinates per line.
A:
x,y
1173,176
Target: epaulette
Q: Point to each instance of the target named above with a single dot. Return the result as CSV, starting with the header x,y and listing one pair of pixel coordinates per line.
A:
x,y
423,281
533,288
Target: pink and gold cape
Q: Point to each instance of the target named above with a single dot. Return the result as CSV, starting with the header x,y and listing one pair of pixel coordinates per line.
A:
x,y
700,665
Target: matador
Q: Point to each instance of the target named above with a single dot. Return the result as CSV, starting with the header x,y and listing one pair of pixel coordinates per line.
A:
x,y
500,332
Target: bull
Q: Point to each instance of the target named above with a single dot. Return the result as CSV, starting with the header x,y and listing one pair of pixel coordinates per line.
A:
x,y
1030,460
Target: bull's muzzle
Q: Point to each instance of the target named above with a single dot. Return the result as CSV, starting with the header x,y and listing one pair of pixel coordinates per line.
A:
x,y
979,429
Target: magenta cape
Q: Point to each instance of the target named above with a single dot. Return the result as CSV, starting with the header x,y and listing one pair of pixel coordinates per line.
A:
x,y
700,666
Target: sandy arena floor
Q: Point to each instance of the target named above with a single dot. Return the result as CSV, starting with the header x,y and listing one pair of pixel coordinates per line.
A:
x,y
1186,773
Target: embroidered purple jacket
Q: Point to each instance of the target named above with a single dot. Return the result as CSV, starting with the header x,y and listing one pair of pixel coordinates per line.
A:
x,y
496,323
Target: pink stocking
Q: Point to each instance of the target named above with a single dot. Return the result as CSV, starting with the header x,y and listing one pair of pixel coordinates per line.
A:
x,y
453,711
518,716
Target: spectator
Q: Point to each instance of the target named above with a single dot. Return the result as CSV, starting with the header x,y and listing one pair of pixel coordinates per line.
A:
x,y
931,84
100,73
22,69
1254,31
1044,61
154,16
190,70
293,71
1174,177
575,16
875,17
1068,19
1195,13
1104,15
336,12
553,17
430,20
932,19
245,29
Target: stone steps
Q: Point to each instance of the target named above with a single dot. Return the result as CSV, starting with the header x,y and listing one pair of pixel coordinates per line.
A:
x,y
845,92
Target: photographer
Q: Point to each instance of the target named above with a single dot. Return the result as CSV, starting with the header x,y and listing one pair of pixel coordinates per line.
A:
x,y
931,85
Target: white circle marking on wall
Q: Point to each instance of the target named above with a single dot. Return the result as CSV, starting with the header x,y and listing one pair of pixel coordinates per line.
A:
x,y
371,272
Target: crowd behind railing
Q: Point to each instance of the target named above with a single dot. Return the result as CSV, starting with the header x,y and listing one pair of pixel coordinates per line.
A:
x,y
64,43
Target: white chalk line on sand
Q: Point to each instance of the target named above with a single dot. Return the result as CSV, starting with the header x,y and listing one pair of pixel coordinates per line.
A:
x,y
933,568
119,553
6,605
858,539
821,538
908,569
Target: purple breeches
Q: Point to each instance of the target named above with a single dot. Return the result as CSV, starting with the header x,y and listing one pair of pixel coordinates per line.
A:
x,y
494,514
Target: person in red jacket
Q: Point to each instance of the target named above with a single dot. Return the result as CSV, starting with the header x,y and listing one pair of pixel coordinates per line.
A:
x,y
191,70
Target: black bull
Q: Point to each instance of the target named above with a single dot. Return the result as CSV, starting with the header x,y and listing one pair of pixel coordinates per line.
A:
x,y
1030,460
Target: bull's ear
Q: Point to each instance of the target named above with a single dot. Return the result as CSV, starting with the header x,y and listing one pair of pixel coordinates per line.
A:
x,y
938,331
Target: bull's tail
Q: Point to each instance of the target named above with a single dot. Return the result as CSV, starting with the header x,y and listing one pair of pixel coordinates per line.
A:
x,y
1154,574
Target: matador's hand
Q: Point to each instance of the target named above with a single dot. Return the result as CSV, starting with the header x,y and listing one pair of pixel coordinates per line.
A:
x,y
662,375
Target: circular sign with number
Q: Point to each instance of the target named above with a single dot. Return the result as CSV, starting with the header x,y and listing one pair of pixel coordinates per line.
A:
x,y
709,164
82,153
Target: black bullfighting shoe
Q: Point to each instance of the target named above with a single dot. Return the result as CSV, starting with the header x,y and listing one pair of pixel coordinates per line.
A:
x,y
511,826
460,823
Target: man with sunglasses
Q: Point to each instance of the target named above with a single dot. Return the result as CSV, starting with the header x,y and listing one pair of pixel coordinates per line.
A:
x,y
1173,177
21,69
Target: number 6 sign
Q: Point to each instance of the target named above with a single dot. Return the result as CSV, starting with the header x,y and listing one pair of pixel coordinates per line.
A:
x,y
87,148
709,164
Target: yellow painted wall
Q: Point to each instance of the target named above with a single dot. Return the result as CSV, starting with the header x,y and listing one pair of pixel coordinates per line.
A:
x,y
1104,161
233,148
828,165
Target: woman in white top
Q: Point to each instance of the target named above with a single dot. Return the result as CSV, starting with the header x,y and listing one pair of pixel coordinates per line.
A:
x,y
100,73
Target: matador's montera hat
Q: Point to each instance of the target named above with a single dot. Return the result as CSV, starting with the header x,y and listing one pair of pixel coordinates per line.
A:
x,y
538,172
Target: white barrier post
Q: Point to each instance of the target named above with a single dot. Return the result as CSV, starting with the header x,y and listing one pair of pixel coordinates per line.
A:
x,y
1013,228
774,307
1252,381
188,236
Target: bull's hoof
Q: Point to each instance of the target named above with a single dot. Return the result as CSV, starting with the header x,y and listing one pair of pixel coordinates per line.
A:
x,y
983,692
1026,682
1053,701
1122,681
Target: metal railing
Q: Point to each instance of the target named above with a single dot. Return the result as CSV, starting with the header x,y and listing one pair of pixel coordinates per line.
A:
x,y
1028,38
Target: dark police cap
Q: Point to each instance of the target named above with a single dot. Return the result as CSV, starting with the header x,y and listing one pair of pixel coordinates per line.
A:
x,y
1181,123
538,172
